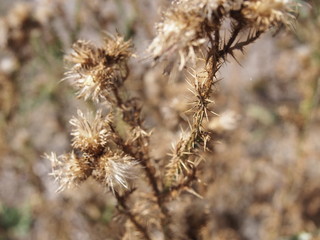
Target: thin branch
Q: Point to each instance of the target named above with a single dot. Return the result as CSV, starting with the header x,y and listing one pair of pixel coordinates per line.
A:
x,y
191,176
240,45
126,210
233,37
146,167
142,156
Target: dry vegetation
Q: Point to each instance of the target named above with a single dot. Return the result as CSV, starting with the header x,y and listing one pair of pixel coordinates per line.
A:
x,y
205,126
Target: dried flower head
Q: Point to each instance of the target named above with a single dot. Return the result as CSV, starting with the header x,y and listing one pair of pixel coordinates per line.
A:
x,y
90,134
112,170
264,14
92,137
185,27
117,49
177,166
221,7
115,170
69,170
180,31
98,70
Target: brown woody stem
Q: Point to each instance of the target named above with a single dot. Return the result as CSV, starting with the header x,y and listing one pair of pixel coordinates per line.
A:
x,y
126,210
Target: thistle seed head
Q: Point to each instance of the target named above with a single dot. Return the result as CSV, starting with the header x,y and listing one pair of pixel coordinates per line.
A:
x,y
90,135
264,14
187,23
98,70
180,31
116,48
115,171
69,170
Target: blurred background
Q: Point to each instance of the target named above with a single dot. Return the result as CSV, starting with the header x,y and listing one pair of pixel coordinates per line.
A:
x,y
261,178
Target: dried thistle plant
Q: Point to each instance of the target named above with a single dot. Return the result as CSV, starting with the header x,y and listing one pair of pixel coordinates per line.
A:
x,y
97,71
97,156
193,30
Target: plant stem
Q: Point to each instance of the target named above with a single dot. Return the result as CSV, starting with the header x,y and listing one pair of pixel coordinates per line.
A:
x,y
122,202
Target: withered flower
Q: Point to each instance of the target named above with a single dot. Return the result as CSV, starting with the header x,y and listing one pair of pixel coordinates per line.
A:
x,y
90,134
117,49
180,31
212,7
95,154
112,170
115,170
98,70
264,14
184,27
69,170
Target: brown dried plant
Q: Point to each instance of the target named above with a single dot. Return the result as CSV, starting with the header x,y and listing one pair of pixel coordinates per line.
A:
x,y
199,31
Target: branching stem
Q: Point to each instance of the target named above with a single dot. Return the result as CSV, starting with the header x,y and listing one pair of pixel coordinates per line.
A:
x,y
126,210
216,55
